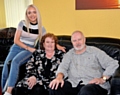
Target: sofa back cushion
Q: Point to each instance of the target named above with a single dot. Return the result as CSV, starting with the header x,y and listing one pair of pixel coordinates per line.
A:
x,y
6,40
110,45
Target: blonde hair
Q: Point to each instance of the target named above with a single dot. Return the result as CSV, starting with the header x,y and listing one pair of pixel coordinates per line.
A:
x,y
27,22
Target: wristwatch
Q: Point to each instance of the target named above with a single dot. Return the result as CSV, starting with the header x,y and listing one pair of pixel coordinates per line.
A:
x,y
104,78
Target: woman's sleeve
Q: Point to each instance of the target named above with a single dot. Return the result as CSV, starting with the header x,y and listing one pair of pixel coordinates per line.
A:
x,y
20,26
31,67
61,55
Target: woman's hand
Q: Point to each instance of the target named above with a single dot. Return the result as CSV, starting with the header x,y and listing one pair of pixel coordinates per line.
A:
x,y
31,81
31,49
61,48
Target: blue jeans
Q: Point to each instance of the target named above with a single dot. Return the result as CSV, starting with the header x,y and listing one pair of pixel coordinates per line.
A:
x,y
18,56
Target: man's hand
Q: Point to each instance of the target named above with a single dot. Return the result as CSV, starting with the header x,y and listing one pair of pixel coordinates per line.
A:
x,y
31,81
55,83
97,81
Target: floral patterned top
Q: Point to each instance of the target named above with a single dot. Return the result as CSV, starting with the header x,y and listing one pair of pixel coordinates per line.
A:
x,y
42,68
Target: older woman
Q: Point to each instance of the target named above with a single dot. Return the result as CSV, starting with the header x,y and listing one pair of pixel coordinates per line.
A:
x,y
41,68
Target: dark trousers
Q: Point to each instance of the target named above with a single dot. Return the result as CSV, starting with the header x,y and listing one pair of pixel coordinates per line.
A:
x,y
36,90
67,89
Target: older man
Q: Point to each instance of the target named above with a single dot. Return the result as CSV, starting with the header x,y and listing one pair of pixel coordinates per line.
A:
x,y
87,69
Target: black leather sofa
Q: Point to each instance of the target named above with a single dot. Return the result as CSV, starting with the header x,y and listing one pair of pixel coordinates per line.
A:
x,y
110,45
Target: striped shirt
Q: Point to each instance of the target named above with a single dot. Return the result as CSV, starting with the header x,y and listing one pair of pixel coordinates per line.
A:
x,y
26,37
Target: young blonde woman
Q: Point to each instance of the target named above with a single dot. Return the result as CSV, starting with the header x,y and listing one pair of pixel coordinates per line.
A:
x,y
27,32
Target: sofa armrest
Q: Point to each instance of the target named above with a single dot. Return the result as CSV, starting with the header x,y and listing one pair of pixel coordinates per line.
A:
x,y
115,83
117,73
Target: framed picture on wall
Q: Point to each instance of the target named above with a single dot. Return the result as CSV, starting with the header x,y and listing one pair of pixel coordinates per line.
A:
x,y
97,4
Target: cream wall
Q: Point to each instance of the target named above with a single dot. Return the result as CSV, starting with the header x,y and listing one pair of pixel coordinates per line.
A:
x,y
61,18
2,14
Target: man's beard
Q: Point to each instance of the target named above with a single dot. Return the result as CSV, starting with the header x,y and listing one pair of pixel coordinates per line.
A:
x,y
80,47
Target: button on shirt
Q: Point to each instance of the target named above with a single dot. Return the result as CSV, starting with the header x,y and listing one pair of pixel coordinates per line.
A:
x,y
93,63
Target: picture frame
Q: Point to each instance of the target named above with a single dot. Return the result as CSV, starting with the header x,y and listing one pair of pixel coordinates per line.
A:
x,y
97,4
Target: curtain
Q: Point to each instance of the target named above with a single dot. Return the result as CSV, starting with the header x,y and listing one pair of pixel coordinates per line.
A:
x,y
15,11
